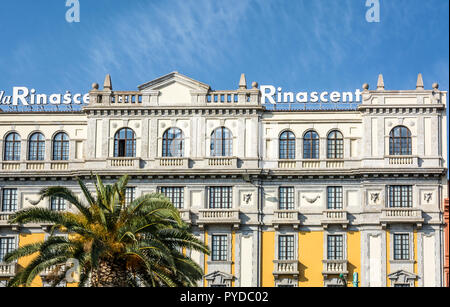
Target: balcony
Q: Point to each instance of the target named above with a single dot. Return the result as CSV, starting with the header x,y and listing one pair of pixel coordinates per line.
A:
x,y
172,162
185,215
285,217
401,216
335,217
285,267
4,217
35,166
402,161
338,163
334,267
8,270
124,162
310,164
222,162
287,164
11,166
219,216
55,269
59,166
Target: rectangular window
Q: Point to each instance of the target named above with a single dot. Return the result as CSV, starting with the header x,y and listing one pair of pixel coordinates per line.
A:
x,y
175,194
9,200
335,247
400,196
57,204
401,247
130,195
220,197
335,199
286,199
219,248
286,248
7,245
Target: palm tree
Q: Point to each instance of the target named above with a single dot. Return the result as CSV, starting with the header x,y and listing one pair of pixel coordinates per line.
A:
x,y
116,245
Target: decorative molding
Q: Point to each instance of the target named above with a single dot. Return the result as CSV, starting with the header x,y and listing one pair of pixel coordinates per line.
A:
x,y
311,200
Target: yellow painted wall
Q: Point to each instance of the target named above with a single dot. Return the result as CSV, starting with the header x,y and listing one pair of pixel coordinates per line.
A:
x,y
267,257
25,239
354,255
310,259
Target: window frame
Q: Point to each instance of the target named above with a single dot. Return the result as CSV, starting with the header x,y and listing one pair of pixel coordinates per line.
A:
x,y
12,148
332,252
403,247
8,208
335,198
173,137
225,197
400,144
56,207
9,246
335,145
221,145
36,147
122,145
174,194
221,249
396,196
286,198
129,198
286,247
311,145
61,147
287,143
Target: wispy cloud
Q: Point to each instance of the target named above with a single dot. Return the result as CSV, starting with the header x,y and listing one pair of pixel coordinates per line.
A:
x,y
171,34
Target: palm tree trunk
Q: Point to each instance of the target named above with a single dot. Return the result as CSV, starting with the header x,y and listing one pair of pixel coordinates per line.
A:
x,y
109,275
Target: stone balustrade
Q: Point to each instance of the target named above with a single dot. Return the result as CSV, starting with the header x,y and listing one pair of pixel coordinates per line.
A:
x,y
219,216
285,217
287,164
123,162
229,162
335,267
8,270
185,215
4,217
285,267
311,164
335,164
55,269
339,217
402,161
11,166
173,162
401,215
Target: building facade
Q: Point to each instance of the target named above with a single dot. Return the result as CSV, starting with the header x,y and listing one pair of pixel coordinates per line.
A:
x,y
282,198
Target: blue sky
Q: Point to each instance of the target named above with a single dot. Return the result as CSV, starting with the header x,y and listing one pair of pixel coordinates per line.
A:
x,y
296,44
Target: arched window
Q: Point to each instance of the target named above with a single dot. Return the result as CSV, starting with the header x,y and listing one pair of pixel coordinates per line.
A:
x,y
287,145
125,143
311,145
61,147
36,147
400,141
221,143
173,143
335,145
12,147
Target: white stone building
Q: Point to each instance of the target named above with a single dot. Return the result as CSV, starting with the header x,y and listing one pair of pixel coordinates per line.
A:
x,y
283,198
